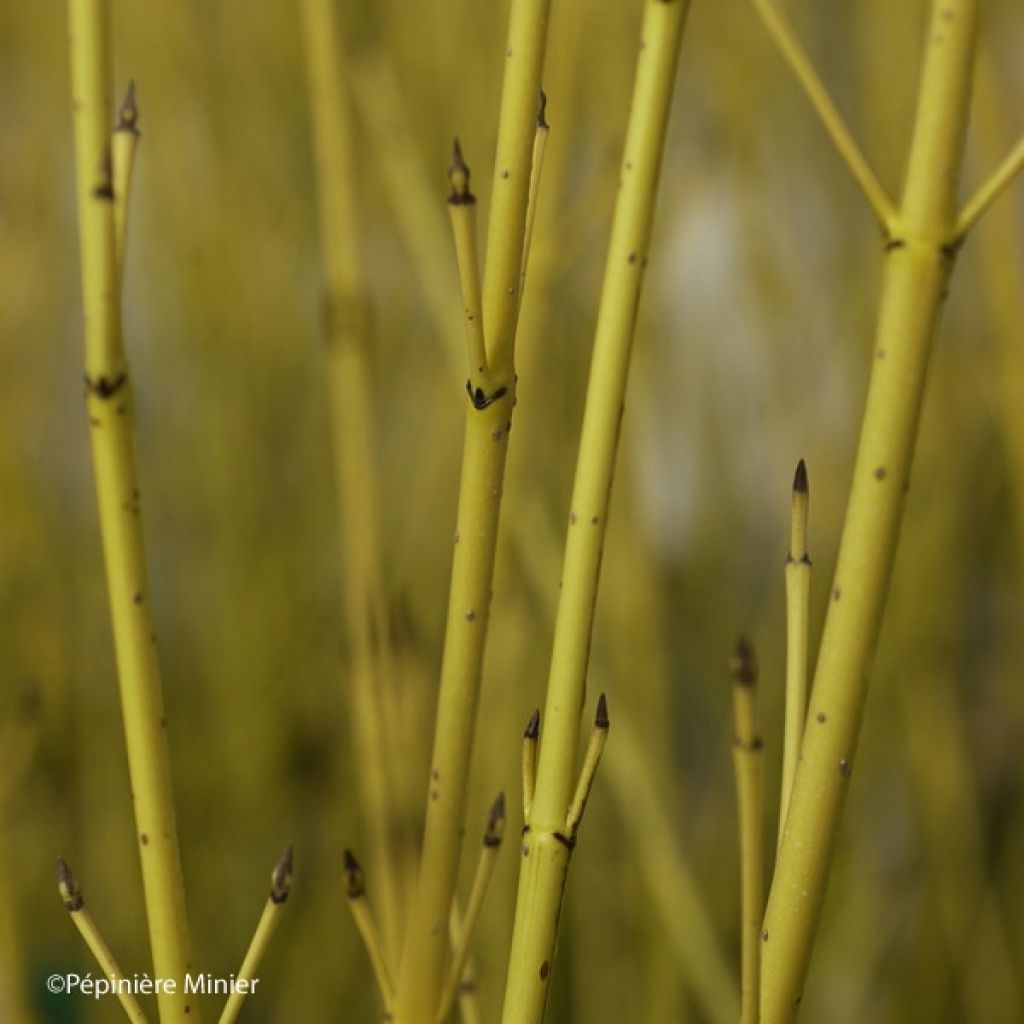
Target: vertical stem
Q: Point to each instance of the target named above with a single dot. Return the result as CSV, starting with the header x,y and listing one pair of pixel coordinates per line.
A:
x,y
488,420
109,408
513,161
918,264
545,847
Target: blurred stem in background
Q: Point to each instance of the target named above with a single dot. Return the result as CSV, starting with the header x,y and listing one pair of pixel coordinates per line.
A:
x,y
549,834
488,419
675,891
923,236
111,430
19,737
370,682
1002,257
944,779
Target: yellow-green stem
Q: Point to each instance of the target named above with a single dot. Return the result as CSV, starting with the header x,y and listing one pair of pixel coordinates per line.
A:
x,y
513,165
488,419
355,886
747,757
798,595
123,145
546,847
919,259
540,142
483,467
588,770
462,213
110,415
529,762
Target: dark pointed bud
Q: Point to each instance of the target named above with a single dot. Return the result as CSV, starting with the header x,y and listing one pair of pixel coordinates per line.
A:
x,y
355,884
70,891
495,822
281,879
744,664
458,175
601,718
533,726
542,111
128,116
800,479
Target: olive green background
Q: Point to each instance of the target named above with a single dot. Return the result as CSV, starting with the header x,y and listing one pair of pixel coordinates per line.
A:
x,y
751,352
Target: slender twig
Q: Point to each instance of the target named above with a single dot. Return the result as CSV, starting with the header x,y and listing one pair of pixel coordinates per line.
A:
x,y
545,847
355,889
795,56
245,979
108,393
588,771
990,190
513,173
123,146
529,769
919,260
798,594
462,211
493,834
747,757
71,894
540,141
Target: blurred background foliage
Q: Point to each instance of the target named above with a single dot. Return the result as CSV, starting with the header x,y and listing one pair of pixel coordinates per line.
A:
x,y
752,351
